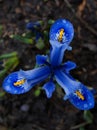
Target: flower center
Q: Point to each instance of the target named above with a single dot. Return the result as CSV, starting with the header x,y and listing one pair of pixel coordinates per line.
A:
x,y
19,82
61,34
80,95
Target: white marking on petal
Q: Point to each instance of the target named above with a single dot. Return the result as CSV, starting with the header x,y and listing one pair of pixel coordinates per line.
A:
x,y
8,88
90,104
64,21
85,105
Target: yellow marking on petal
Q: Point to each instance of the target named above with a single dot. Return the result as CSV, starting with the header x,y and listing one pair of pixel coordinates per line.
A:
x,y
61,33
19,82
80,95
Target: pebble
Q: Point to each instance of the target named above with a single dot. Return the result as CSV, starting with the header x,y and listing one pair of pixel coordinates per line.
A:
x,y
91,47
24,107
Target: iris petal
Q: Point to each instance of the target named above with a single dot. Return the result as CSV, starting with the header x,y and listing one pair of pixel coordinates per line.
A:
x,y
8,84
76,92
36,73
58,47
66,82
57,53
69,65
68,31
12,82
49,88
85,104
41,59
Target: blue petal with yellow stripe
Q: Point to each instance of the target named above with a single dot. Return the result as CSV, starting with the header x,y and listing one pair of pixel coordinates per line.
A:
x,y
57,53
82,98
15,83
22,81
61,34
62,31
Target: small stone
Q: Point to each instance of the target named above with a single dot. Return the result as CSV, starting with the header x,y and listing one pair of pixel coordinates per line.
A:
x,y
24,107
18,10
91,47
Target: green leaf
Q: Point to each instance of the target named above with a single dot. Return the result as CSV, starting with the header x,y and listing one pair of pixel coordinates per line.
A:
x,y
81,128
51,21
22,39
28,34
45,33
41,22
88,116
11,63
2,73
8,55
37,92
40,44
2,94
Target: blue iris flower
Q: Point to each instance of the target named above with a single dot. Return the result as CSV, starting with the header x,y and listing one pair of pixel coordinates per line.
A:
x,y
51,68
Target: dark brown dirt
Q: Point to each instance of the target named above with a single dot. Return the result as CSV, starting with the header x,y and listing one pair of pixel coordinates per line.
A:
x,y
39,113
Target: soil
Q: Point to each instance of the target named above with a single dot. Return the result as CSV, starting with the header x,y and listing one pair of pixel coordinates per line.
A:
x,y
27,111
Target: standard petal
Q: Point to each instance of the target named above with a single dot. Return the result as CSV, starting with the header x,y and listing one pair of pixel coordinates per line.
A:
x,y
69,65
69,48
82,99
62,31
57,53
22,81
49,88
41,59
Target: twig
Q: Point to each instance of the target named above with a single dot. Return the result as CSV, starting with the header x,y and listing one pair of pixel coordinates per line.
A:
x,y
57,2
81,20
79,125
